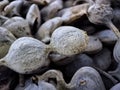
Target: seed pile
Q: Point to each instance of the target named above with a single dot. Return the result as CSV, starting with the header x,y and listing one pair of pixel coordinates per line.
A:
x,y
59,45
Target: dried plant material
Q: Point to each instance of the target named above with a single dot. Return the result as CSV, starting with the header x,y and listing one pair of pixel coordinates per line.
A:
x,y
59,59
3,4
33,16
116,17
3,19
116,87
41,85
86,1
94,45
89,29
99,14
107,36
91,2
85,78
102,14
116,51
7,78
116,72
58,76
103,59
73,13
63,37
13,8
51,10
79,61
102,2
18,26
26,55
68,3
6,39
59,46
47,28
41,2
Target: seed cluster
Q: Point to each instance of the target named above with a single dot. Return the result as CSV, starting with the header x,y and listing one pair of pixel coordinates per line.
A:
x,y
59,45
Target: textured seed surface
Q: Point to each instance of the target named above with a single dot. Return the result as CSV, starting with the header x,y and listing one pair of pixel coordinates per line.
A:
x,y
69,40
26,55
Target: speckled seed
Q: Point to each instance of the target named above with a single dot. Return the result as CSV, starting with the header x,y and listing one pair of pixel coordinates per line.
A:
x,y
68,40
18,26
33,15
107,36
73,13
6,39
94,45
51,10
13,8
87,78
100,13
26,55
47,28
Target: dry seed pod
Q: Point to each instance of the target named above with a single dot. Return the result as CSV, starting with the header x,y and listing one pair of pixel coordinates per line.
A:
x,y
47,28
107,36
99,17
6,39
41,85
33,16
18,26
103,59
58,76
116,87
68,40
51,10
73,13
3,4
26,55
94,45
85,78
13,8
102,14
